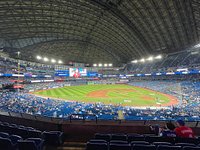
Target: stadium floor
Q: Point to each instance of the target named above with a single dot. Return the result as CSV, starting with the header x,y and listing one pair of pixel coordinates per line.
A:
x,y
117,94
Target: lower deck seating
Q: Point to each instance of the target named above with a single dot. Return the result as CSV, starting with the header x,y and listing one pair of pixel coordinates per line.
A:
x,y
17,137
144,142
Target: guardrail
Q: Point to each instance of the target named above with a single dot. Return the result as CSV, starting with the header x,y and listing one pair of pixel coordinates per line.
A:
x,y
88,118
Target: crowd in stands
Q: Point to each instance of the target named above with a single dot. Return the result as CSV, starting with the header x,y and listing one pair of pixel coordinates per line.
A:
x,y
169,63
10,66
23,102
45,85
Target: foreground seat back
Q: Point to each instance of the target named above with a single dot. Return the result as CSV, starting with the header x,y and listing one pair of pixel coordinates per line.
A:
x,y
144,147
4,135
15,138
187,140
52,138
118,142
152,139
38,142
97,141
135,138
185,144
27,145
119,137
6,144
120,146
162,143
106,137
140,142
165,147
35,133
191,148
22,132
97,146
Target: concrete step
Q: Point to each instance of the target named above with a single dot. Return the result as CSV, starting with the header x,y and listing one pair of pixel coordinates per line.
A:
x,y
72,146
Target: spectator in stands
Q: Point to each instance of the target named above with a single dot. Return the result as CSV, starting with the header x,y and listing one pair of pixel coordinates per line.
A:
x,y
183,131
155,129
168,131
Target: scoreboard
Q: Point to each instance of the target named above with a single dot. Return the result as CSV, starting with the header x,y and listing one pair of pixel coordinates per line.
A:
x,y
77,72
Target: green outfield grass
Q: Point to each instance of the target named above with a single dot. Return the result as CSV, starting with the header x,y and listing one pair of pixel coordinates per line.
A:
x,y
108,94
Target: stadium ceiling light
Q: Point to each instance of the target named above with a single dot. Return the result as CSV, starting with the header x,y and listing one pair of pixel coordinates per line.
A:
x,y
142,60
150,58
105,65
38,57
134,61
100,65
94,65
158,57
196,46
60,62
53,60
110,65
46,59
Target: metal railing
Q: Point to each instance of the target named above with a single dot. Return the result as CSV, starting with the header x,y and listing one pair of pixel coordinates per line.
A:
x,y
85,118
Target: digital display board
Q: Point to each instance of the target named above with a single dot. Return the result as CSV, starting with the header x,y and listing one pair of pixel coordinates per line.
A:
x,y
77,72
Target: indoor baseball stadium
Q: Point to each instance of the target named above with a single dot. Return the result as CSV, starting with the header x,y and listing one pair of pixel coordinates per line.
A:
x,y
99,74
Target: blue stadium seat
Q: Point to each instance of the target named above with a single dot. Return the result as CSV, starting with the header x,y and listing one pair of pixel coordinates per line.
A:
x,y
191,148
4,128
187,140
13,125
6,144
140,142
118,142
53,137
152,139
121,137
15,138
144,147
97,141
185,144
29,128
11,129
38,141
22,132
135,138
166,147
27,145
34,133
5,123
4,135
162,143
96,146
120,147
106,137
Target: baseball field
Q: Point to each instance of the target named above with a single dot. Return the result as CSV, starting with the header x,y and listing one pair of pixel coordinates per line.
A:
x,y
125,95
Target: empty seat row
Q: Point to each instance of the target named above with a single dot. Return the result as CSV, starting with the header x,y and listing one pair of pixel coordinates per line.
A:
x,y
50,137
147,138
20,144
141,142
114,146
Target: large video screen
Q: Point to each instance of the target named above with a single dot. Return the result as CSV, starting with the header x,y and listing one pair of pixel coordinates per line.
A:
x,y
77,72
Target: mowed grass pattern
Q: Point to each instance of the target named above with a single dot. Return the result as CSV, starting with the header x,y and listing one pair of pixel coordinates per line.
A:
x,y
115,94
